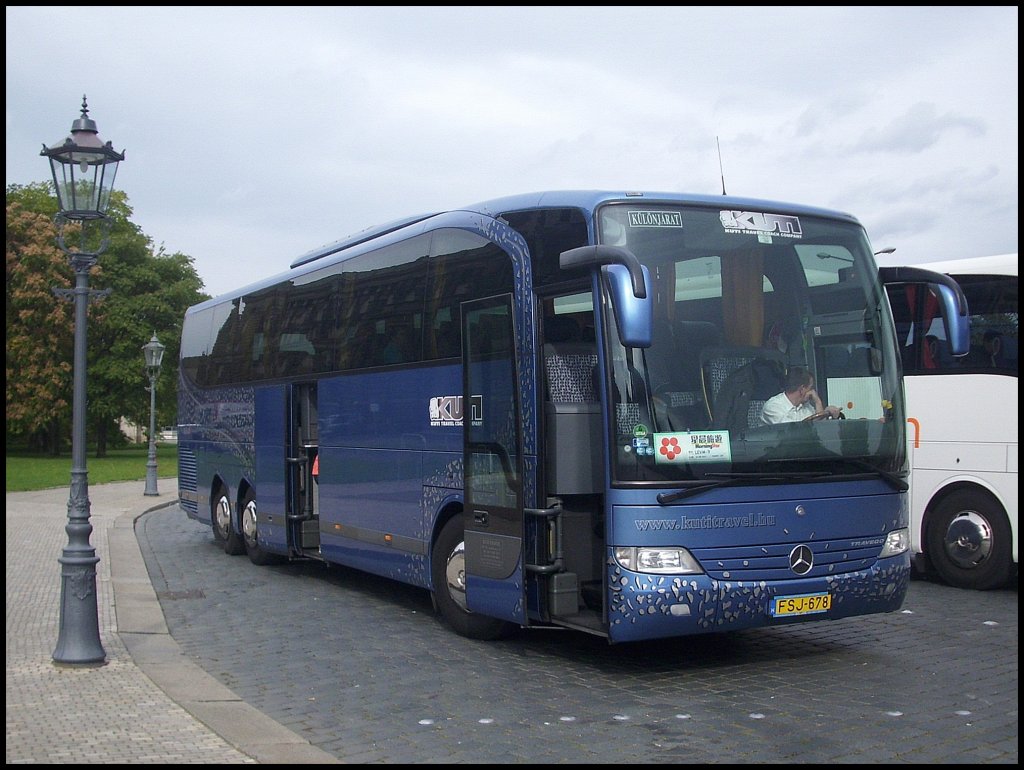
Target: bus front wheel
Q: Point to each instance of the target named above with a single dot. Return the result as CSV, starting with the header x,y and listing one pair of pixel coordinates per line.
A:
x,y
968,541
223,532
448,574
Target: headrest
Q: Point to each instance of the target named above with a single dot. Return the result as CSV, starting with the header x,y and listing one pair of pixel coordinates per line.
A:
x,y
561,329
698,333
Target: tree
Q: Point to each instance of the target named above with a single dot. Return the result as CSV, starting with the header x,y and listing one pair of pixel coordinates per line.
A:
x,y
39,348
149,294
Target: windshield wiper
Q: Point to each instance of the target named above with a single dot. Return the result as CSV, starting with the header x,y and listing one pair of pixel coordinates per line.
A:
x,y
897,483
893,479
732,479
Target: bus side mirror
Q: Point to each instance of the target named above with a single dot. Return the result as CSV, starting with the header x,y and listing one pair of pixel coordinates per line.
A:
x,y
958,327
633,315
629,283
956,316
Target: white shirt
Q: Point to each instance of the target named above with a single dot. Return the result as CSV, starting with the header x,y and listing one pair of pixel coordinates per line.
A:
x,y
779,408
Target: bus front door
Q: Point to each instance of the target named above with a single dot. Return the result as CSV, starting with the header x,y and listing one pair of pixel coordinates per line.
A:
x,y
492,462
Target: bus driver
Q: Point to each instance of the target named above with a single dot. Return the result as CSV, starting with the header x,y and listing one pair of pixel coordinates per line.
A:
x,y
798,402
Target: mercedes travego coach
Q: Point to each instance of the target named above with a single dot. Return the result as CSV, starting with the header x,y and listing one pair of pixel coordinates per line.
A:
x,y
548,411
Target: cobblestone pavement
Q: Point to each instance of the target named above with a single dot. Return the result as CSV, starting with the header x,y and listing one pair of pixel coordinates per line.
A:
x,y
361,668
69,715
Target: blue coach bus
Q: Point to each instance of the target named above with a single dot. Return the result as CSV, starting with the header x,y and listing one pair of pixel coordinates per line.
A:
x,y
546,410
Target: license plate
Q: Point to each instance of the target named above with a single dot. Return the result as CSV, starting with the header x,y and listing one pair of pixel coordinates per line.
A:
x,y
805,604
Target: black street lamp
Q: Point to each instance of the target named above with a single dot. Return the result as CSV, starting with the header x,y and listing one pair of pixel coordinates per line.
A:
x,y
154,353
83,169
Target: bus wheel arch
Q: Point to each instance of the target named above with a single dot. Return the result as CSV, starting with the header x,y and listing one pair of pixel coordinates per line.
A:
x,y
967,538
448,581
250,535
222,520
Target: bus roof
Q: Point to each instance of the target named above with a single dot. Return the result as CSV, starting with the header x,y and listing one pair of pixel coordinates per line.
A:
x,y
586,200
356,238
996,264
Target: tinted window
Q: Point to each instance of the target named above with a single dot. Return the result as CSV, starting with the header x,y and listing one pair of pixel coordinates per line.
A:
x,y
463,266
549,232
395,305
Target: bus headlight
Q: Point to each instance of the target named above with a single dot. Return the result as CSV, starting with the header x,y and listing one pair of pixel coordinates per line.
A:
x,y
896,542
660,561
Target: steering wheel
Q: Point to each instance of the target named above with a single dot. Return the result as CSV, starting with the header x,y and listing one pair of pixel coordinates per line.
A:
x,y
824,416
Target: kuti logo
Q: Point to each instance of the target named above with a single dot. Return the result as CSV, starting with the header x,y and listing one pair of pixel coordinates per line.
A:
x,y
759,222
446,411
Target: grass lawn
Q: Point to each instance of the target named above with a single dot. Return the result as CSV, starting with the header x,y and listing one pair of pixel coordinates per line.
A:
x,y
28,472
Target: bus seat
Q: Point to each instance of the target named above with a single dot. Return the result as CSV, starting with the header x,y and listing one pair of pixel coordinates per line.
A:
x,y
572,418
560,328
292,362
446,339
720,369
685,398
691,338
570,372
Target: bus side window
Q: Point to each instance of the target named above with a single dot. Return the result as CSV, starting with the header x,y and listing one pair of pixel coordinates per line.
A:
x,y
446,339
936,354
1000,350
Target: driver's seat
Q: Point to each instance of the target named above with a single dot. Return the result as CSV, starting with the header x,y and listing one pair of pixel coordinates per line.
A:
x,y
737,382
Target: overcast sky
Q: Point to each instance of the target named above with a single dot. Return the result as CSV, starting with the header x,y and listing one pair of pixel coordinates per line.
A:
x,y
253,135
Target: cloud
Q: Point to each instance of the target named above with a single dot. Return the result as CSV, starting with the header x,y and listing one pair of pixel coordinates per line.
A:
x,y
916,130
253,137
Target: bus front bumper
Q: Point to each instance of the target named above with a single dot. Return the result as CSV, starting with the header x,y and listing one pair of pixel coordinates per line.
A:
x,y
646,606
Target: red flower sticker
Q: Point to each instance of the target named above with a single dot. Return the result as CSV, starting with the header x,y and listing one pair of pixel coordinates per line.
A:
x,y
670,448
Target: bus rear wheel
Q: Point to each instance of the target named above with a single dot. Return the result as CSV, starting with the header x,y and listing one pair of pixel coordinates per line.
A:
x,y
223,532
448,574
968,541
251,536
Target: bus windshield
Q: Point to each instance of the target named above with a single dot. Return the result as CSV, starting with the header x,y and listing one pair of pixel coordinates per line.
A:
x,y
741,301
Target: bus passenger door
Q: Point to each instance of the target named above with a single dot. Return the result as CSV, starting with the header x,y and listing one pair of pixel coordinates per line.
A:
x,y
285,436
302,498
492,462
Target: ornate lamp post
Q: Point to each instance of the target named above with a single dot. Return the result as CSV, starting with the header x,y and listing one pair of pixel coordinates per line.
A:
x,y
83,169
154,353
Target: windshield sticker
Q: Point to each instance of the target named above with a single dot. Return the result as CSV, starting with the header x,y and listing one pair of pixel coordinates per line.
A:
x,y
642,446
642,443
697,447
655,219
749,222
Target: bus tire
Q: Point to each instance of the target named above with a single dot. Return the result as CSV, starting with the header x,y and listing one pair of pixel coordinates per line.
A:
x,y
968,541
448,575
250,535
223,531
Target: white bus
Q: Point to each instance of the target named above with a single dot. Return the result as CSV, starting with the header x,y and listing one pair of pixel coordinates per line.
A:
x,y
962,437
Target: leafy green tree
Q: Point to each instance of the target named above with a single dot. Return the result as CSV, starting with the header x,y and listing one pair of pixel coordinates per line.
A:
x,y
149,293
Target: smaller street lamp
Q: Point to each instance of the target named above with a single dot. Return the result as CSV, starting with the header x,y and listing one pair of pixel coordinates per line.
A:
x,y
154,353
